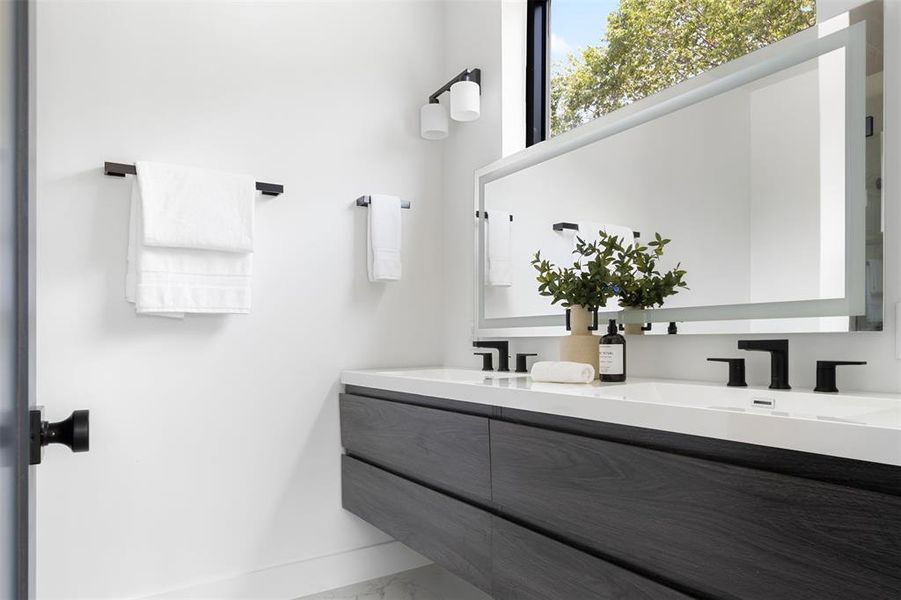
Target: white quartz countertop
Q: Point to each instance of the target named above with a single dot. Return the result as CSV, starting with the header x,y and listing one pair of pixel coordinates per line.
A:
x,y
860,426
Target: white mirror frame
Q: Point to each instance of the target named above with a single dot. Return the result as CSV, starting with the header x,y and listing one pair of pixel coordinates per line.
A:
x,y
787,53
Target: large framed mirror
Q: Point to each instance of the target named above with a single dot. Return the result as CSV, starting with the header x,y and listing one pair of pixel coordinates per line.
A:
x,y
765,174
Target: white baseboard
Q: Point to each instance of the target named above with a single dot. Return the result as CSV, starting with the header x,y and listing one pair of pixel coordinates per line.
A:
x,y
306,577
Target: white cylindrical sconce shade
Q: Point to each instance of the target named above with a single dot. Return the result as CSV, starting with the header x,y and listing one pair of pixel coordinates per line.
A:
x,y
464,101
433,121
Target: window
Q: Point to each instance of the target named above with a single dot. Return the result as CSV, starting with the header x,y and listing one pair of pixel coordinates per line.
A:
x,y
587,58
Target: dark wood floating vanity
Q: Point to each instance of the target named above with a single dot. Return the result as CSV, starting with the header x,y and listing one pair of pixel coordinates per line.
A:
x,y
527,505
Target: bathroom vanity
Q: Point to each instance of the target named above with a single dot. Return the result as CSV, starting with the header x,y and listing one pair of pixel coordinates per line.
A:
x,y
648,489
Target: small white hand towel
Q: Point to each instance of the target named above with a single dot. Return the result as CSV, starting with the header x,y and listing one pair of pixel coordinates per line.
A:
x,y
500,265
173,280
562,372
187,207
383,249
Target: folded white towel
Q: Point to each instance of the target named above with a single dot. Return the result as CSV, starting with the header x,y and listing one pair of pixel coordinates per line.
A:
x,y
589,231
173,280
562,372
626,235
187,207
383,249
500,265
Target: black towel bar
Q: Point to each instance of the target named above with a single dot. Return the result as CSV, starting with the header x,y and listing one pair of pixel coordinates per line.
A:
x,y
486,216
122,169
562,226
364,201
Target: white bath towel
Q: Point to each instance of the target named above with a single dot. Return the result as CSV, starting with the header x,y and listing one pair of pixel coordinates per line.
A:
x,y
589,231
500,265
562,372
383,247
186,276
187,207
626,235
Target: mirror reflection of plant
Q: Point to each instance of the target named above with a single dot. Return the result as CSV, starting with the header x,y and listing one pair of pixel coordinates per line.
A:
x,y
588,282
638,282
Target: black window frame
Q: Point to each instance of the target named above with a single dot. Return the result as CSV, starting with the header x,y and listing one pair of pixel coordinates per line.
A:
x,y
538,26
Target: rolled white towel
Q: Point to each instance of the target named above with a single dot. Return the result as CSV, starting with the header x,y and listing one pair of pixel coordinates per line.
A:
x,y
562,372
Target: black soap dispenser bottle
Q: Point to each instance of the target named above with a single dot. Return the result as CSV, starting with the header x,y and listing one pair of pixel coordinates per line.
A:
x,y
613,355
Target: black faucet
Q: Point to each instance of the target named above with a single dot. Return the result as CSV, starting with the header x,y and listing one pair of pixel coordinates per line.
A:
x,y
736,371
503,353
826,373
778,350
487,364
521,365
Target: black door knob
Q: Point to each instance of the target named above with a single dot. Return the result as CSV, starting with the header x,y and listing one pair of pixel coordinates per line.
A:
x,y
73,432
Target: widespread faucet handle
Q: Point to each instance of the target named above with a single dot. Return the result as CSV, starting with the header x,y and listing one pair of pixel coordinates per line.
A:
x,y
826,373
503,351
736,371
521,365
487,361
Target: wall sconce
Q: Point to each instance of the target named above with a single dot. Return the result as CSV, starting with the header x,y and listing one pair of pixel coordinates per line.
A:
x,y
465,104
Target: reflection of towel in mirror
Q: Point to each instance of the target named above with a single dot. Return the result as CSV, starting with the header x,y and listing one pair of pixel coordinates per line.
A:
x,y
589,231
626,235
500,266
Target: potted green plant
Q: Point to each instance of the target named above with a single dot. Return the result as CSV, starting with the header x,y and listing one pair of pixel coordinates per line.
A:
x,y
638,282
581,289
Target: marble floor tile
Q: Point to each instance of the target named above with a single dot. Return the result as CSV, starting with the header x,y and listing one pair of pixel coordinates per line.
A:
x,y
426,583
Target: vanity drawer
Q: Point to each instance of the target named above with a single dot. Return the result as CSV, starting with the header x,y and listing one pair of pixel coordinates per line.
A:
x,y
718,530
453,534
444,449
530,566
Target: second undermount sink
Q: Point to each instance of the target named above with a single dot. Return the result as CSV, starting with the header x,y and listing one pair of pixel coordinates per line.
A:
x,y
850,408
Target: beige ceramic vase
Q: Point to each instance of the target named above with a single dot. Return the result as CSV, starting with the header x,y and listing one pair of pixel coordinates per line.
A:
x,y
580,346
633,329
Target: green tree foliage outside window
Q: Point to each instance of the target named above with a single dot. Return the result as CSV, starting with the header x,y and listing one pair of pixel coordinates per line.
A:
x,y
654,44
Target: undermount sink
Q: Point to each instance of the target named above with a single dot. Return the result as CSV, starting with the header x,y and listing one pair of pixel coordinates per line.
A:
x,y
869,410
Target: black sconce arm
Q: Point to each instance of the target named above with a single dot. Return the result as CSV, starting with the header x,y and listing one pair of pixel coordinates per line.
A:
x,y
466,75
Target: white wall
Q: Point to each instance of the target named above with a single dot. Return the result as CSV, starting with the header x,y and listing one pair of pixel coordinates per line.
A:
x,y
677,356
215,443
